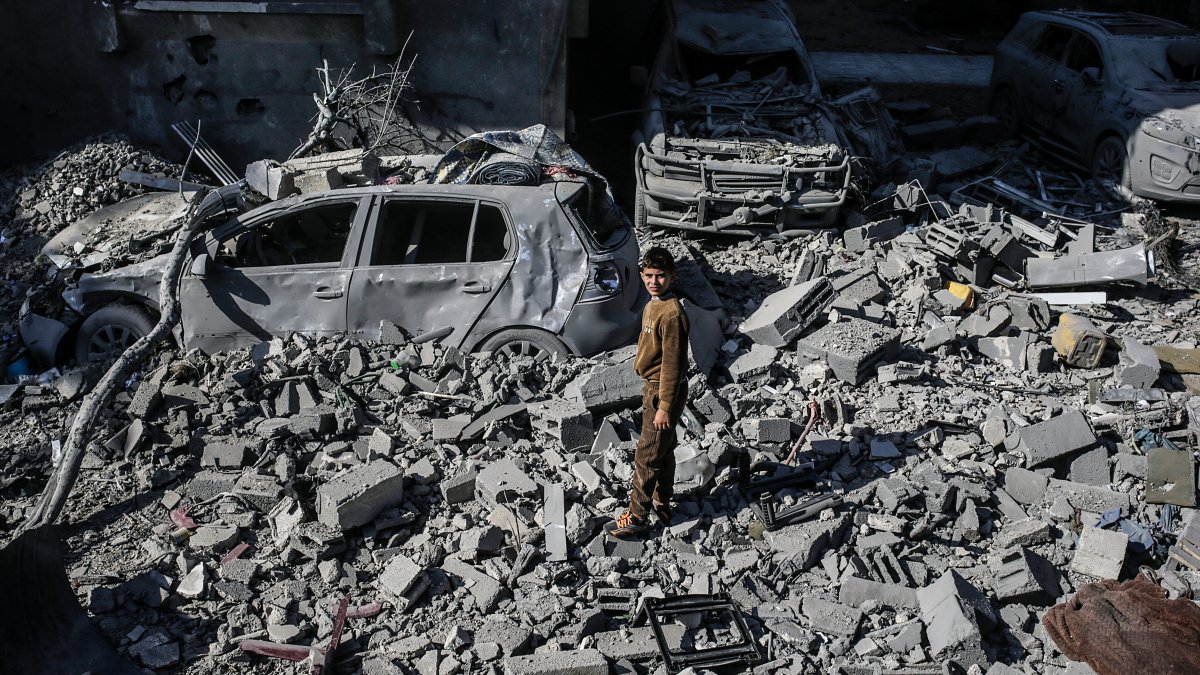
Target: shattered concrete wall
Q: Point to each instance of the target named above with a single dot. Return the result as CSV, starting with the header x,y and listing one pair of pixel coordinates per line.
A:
x,y
76,69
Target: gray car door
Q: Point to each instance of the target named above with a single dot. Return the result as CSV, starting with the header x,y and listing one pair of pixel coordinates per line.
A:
x,y
1042,78
430,264
1077,98
281,274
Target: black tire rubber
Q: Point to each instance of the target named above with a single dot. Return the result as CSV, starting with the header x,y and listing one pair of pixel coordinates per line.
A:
x,y
525,342
1111,149
1004,108
117,325
639,208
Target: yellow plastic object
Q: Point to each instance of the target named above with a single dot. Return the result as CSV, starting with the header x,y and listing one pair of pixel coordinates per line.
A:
x,y
962,292
1078,341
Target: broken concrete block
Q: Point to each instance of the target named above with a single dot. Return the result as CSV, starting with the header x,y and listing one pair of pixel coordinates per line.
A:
x,y
808,540
568,421
1091,467
1057,436
851,348
712,408
858,287
767,430
705,336
1100,553
399,575
1170,477
1086,497
215,538
1025,486
1025,532
1138,366
586,475
956,614
503,481
572,662
1026,577
228,453
861,238
357,495
460,488
755,365
1007,351
831,617
638,644
855,591
785,314
608,387
483,588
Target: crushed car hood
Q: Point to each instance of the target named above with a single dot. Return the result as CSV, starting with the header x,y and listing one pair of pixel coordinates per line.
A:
x,y
117,231
733,26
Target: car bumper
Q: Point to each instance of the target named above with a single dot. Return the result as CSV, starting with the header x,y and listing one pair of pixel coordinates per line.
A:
x,y
737,198
602,325
1163,170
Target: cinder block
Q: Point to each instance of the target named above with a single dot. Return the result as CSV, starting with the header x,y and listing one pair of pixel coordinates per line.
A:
x,y
1057,436
768,429
785,314
861,238
1025,532
1091,468
399,575
955,619
460,488
1087,497
833,618
807,541
851,348
1100,553
754,365
355,496
568,421
574,662
225,453
1026,577
609,386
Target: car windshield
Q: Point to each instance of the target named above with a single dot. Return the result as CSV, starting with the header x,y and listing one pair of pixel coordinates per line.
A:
x,y
699,65
1149,63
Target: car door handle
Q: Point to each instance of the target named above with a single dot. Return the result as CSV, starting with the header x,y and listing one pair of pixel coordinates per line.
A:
x,y
326,293
475,287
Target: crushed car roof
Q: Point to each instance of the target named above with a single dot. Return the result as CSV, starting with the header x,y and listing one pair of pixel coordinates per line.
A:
x,y
1127,23
734,26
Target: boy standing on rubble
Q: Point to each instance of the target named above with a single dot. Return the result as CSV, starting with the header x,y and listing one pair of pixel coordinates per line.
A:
x,y
662,360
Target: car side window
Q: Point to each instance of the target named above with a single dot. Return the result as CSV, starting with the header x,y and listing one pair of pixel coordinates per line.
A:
x,y
309,236
430,232
1083,53
491,240
1053,42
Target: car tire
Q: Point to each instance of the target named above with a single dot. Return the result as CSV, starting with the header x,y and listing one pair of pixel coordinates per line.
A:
x,y
110,331
1110,162
639,208
525,342
1004,109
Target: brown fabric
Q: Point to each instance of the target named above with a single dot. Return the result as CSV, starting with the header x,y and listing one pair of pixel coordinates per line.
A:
x,y
1131,627
654,458
663,347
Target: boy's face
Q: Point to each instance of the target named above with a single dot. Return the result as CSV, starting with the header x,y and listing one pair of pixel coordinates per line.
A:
x,y
657,281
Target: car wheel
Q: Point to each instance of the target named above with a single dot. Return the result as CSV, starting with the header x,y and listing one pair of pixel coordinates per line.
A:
x,y
110,331
524,342
1109,161
639,208
1004,108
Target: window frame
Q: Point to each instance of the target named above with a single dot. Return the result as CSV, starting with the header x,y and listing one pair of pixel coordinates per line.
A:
x,y
371,240
1079,37
361,212
1036,43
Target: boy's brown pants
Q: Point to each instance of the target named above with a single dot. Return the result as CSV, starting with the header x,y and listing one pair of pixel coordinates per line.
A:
x,y
654,458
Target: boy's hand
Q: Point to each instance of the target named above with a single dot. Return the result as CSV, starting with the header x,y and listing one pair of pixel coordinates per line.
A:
x,y
662,420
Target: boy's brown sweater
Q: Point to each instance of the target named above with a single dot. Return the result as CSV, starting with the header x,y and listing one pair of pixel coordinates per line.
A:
x,y
662,348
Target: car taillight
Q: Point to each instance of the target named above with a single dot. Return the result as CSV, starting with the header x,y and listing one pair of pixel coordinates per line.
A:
x,y
604,281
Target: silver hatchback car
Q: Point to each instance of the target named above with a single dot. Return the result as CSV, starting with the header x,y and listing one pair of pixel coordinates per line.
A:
x,y
517,269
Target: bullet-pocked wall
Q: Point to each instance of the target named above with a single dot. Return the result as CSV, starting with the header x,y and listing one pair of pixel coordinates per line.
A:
x,y
248,69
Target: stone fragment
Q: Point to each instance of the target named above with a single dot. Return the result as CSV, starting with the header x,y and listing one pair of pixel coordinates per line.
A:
x,y
1138,366
193,583
572,662
1025,486
767,430
1026,577
357,495
1091,467
460,488
483,588
754,365
567,421
503,481
1023,533
956,615
833,618
855,591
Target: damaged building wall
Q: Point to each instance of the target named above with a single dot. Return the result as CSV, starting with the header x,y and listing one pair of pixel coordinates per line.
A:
x,y
250,76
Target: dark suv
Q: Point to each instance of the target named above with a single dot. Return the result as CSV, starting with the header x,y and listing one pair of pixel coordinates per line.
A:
x,y
1116,94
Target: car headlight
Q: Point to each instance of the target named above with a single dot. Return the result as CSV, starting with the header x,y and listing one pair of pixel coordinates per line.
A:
x,y
1170,131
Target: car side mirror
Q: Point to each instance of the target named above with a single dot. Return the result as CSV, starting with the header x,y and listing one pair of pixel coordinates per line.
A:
x,y
200,265
1091,75
638,75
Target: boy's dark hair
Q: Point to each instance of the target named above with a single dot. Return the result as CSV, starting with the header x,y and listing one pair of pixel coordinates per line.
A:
x,y
658,258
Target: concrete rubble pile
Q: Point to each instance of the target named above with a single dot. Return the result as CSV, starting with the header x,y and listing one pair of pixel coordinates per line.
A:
x,y
976,477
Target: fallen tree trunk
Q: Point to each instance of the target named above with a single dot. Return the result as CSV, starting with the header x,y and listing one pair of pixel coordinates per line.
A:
x,y
66,470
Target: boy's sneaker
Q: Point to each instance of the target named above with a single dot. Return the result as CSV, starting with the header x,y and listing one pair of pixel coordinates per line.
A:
x,y
663,511
627,525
